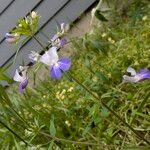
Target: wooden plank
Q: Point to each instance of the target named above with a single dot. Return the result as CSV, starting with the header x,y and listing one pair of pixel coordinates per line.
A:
x,y
4,4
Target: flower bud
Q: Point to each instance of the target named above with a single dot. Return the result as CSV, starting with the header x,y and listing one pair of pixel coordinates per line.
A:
x,y
34,14
12,38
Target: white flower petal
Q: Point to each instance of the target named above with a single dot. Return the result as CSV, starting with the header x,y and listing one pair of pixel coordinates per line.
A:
x,y
50,57
131,70
64,27
131,79
17,76
34,56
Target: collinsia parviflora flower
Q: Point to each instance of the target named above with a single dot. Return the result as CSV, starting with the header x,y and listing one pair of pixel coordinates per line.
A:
x,y
12,38
59,42
57,66
21,76
136,76
64,28
57,39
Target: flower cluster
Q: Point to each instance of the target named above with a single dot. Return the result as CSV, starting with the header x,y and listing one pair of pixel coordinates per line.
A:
x,y
25,27
21,76
57,66
57,39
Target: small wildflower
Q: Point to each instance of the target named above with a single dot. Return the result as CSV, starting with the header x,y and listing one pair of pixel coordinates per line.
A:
x,y
20,25
44,105
57,41
27,132
104,35
144,18
63,91
57,66
57,93
12,38
27,20
34,14
21,76
37,107
95,79
136,76
112,41
67,123
62,97
70,89
44,96
64,28
109,39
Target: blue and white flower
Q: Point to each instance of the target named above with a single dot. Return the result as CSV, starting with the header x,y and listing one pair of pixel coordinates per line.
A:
x,y
57,66
21,76
57,39
135,77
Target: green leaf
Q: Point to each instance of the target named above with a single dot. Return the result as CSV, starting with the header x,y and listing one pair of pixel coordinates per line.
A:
x,y
99,16
51,145
3,95
52,128
17,145
4,77
102,77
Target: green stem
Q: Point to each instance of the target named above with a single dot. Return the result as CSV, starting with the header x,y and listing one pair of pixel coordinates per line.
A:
x,y
113,112
87,142
14,133
71,141
141,106
11,107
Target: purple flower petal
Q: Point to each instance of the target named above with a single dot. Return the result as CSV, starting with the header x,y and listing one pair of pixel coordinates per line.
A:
x,y
55,72
23,85
144,74
8,35
64,64
11,38
63,41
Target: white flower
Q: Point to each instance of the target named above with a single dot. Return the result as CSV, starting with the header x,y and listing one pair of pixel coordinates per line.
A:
x,y
21,76
34,14
50,57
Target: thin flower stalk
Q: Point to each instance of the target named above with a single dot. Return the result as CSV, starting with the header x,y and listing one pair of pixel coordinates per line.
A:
x,y
18,136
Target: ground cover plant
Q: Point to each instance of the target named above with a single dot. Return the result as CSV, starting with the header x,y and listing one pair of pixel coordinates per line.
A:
x,y
77,111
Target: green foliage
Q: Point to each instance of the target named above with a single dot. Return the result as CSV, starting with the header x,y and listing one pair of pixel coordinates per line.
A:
x,y
27,26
